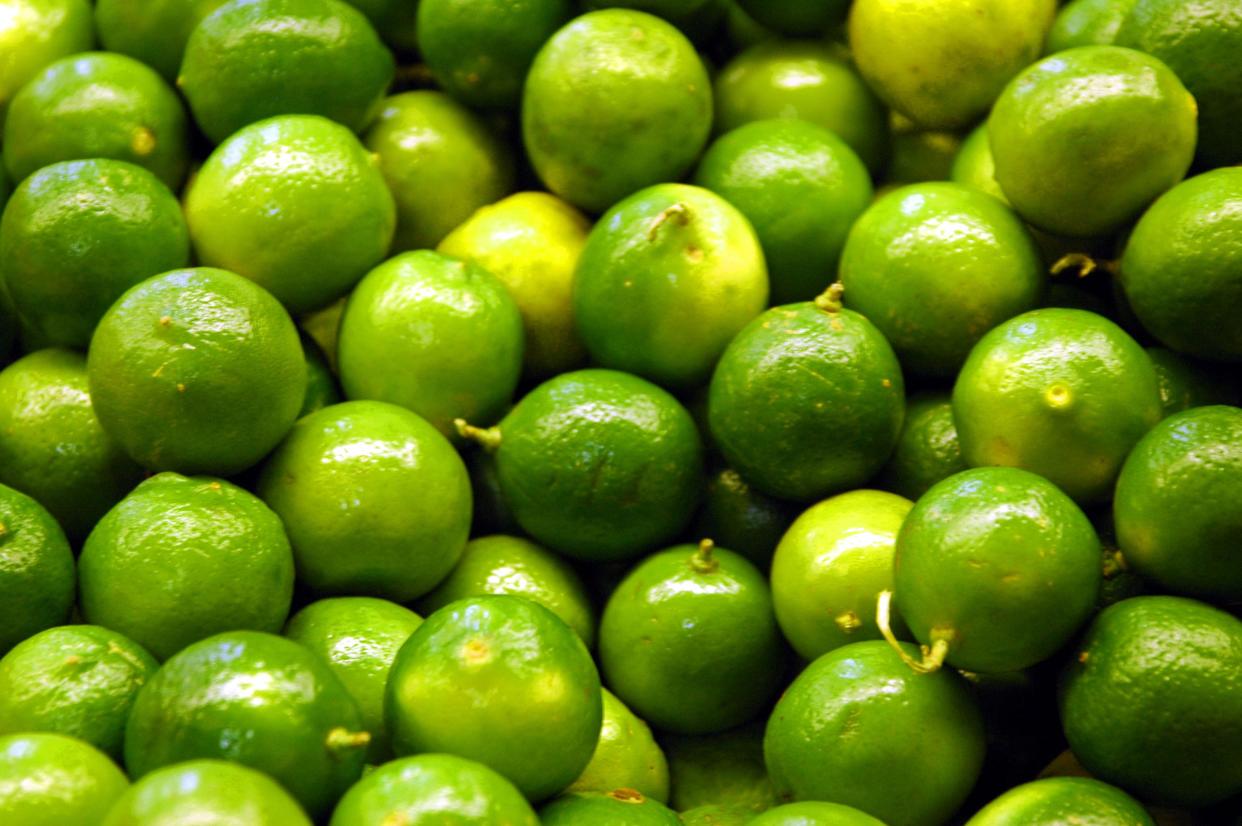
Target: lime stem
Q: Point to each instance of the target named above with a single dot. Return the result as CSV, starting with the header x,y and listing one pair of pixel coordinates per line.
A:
x,y
678,210
830,299
341,739
486,437
933,658
1083,263
702,561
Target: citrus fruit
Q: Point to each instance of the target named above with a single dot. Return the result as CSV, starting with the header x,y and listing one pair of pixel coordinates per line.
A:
x,y
255,699
1087,23
806,80
375,500
942,64
1180,268
36,569
396,21
1186,382
798,18
667,277
814,813
935,266
1055,136
1056,800
807,400
619,807
77,234
54,780
712,815
209,792
615,101
433,334
501,680
358,637
919,154
724,769
1064,393
76,680
34,33
598,465
741,518
441,163
294,203
927,450
153,31
1152,701
973,164
860,728
432,790
491,512
801,187
52,446
626,756
531,241
322,326
831,566
321,389
97,105
196,370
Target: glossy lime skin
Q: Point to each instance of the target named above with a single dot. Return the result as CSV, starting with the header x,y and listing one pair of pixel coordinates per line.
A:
x,y
796,18
1087,23
1056,800
78,234
435,335
181,558
97,105
935,266
35,33
153,31
209,792
434,790
666,279
801,187
1064,393
1054,133
860,728
255,699
615,101
974,166
52,446
927,450
321,386
814,813
294,203
1186,382
626,756
196,370
1153,701
740,518
600,465
714,815
36,569
620,807
806,402
76,680
54,780
723,769
501,680
358,637
1179,271
375,500
807,80
1001,564
831,566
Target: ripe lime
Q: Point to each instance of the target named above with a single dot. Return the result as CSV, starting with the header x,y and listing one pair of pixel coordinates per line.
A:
x,y
1057,800
36,569
153,31
814,813
742,519
34,33
1087,23
974,166
927,450
626,756
1186,382
208,792
53,780
619,807
723,769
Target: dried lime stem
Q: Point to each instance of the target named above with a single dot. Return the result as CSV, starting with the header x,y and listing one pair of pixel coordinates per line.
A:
x,y
486,437
830,299
702,561
933,657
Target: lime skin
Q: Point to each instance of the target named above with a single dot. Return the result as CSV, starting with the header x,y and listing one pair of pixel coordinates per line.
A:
x,y
714,815
36,569
619,807
626,756
209,792
35,33
724,769
153,31
1187,382
1087,23
1056,800
742,519
928,449
54,780
814,813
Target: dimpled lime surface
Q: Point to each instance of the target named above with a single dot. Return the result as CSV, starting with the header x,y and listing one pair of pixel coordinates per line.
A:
x,y
153,31
626,756
1087,23
206,791
1056,800
36,569
34,33
53,780
620,807
928,449
814,813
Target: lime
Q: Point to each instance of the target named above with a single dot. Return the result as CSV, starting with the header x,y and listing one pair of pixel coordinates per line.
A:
x,y
153,31
501,680
712,815
434,790
668,276
919,154
615,101
1057,800
801,187
375,501
97,105
740,30
531,241
626,756
1064,393
34,33
814,813
1186,382
323,326
860,728
76,680
620,807
396,21
54,780
321,389
723,769
36,569
254,699
974,166
209,792
433,334
742,519
441,163
927,450
1087,23
492,513
1152,701
798,18
196,370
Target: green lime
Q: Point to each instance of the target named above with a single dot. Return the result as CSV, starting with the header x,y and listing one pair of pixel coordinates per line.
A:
x,y
396,21
36,569
615,101
741,30
1055,134
927,450
321,389
723,769
255,699
34,33
433,790
801,187
97,105
598,465
54,780
1087,23
501,680
6,188
209,792
435,335
1064,393
1153,700
807,400
807,80
974,166
919,154
668,276
196,370
323,326
699,20
713,815
619,807
860,728
441,162
78,234
1186,382
358,637
1057,800
797,18
814,813
626,756
375,500
492,513
831,566
531,241
153,31
742,519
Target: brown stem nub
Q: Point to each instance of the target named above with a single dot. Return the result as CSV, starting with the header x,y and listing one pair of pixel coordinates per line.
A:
x,y
487,438
933,657
703,561
678,210
830,299
1084,264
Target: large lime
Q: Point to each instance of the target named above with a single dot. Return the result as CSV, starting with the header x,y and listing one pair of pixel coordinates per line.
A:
x,y
34,33
1087,23
36,569
53,780
208,792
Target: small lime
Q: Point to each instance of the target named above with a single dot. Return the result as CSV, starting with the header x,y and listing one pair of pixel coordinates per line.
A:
x,y
974,166
723,769
321,387
36,569
207,792
626,756
742,519
1057,800
927,450
1186,382
54,780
